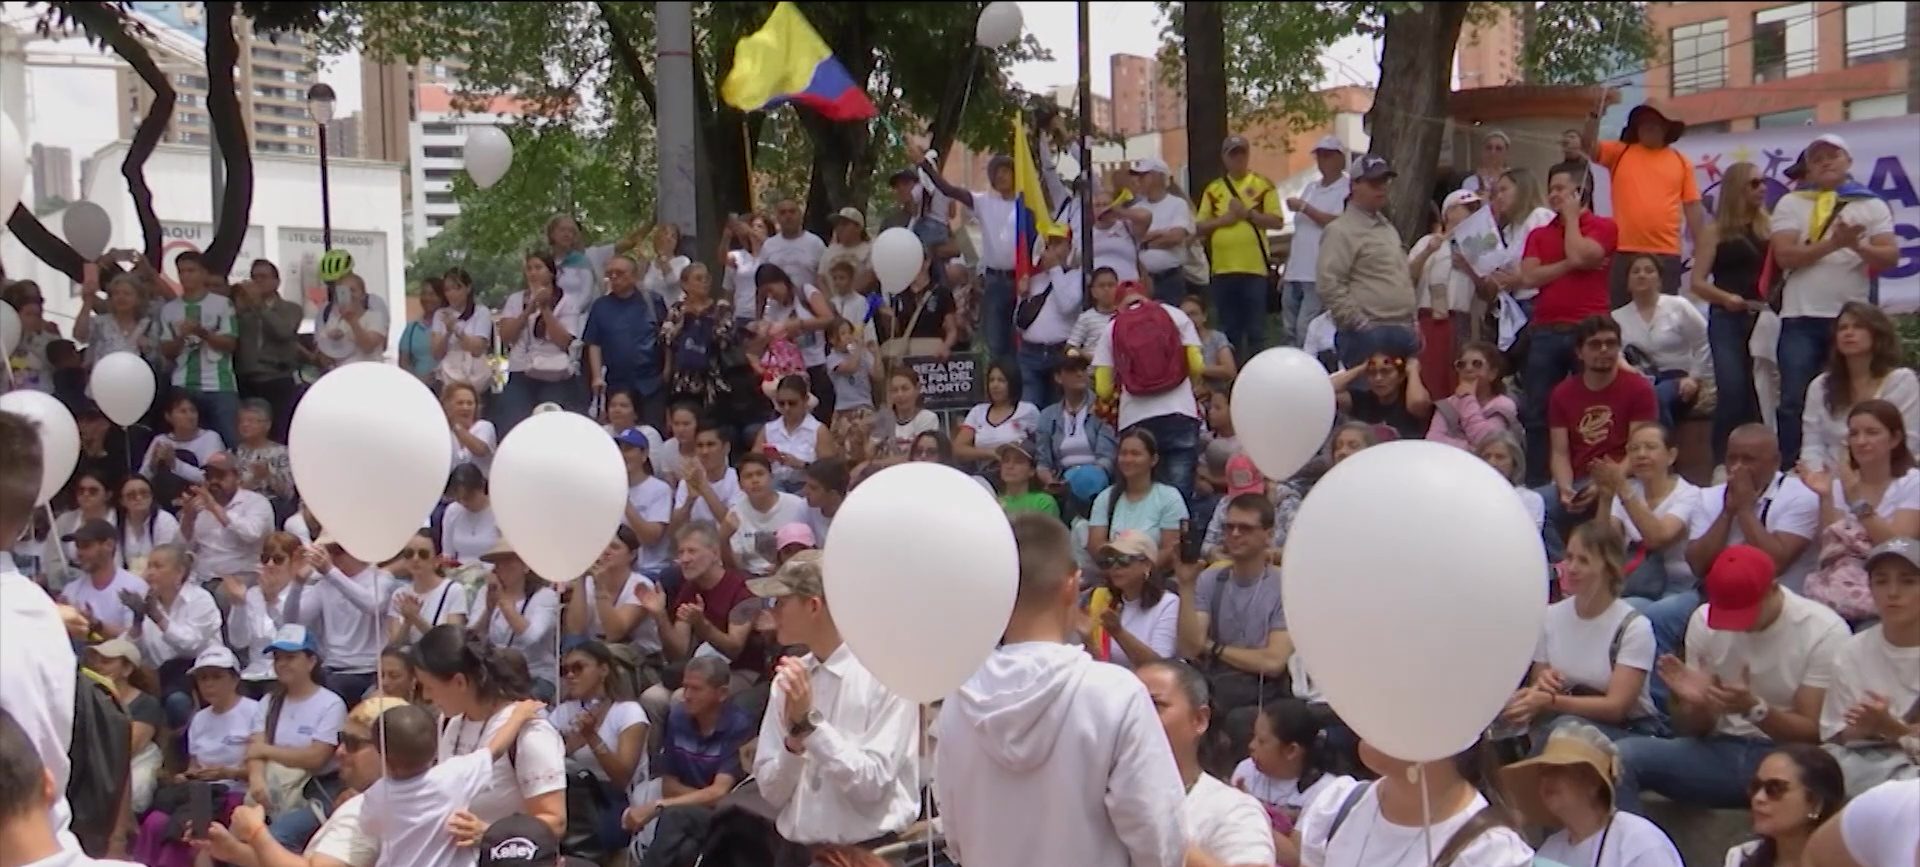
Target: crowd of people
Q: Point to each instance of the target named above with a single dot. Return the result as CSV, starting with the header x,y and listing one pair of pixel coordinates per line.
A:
x,y
1751,644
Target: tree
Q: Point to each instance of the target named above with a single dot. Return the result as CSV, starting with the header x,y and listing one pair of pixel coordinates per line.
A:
x,y
1203,39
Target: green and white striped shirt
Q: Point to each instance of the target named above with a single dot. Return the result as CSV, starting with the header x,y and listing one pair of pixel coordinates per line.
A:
x,y
201,368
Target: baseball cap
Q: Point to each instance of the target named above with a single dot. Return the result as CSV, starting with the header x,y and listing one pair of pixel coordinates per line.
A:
x,y
1146,165
1233,143
1371,168
903,176
1133,543
795,533
1015,447
119,648
523,841
851,215
1737,585
799,576
216,656
1243,477
1830,139
1902,547
634,437
293,637
1329,143
1458,197
94,530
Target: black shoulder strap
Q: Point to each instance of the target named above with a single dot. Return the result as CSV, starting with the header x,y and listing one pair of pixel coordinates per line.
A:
x,y
1346,807
1213,605
274,704
1476,826
1620,634
446,589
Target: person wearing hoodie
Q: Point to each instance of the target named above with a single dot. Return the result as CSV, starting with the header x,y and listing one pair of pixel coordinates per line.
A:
x,y
1046,756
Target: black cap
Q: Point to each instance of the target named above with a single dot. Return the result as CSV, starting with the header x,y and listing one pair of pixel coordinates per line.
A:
x,y
94,530
522,841
1371,168
903,176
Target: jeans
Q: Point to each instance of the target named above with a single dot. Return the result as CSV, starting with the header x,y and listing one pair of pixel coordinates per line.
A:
x,y
1648,580
1356,345
1553,530
1240,312
350,687
996,311
1666,395
1805,342
1704,772
1669,617
293,830
1550,359
1727,336
220,413
1299,305
1169,286
1037,363
523,393
1178,437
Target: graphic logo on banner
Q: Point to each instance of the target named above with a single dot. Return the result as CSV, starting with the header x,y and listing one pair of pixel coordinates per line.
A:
x,y
950,384
177,238
1886,157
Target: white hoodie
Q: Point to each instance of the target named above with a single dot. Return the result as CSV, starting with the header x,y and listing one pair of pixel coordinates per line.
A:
x,y
1048,757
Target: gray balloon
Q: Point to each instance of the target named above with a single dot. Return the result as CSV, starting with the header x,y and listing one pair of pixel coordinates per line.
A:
x,y
88,229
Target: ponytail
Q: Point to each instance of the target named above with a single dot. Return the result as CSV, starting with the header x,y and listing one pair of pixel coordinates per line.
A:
x,y
1293,722
447,650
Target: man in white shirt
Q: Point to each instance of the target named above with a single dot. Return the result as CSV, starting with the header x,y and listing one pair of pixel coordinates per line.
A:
x,y
1172,415
839,752
1046,756
794,249
97,594
1055,291
225,522
38,670
994,209
28,791
346,605
1829,253
1317,205
1758,661
1167,235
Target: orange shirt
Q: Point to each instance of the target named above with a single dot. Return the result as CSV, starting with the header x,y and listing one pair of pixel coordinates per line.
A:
x,y
1650,188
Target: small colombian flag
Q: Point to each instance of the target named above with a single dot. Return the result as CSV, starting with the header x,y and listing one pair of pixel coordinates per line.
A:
x,y
786,61
1031,218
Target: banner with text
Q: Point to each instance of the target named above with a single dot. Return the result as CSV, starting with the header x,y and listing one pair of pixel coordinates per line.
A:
x,y
950,384
1886,158
178,237
300,251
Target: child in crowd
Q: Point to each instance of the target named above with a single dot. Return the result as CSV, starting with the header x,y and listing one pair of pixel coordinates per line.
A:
x,y
1017,491
1283,768
407,811
1091,328
850,365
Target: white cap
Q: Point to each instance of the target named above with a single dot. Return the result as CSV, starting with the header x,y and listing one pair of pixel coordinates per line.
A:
x,y
1458,197
1831,139
1330,143
216,656
1151,164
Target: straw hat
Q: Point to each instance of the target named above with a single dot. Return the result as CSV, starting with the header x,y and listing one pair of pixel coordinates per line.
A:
x,y
1572,744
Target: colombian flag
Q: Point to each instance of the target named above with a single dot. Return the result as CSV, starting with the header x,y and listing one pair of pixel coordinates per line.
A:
x,y
786,61
1032,219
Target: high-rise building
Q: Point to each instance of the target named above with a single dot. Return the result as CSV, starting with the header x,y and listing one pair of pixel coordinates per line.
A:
x,y
271,81
438,149
1489,54
52,175
389,99
344,136
1143,98
1067,95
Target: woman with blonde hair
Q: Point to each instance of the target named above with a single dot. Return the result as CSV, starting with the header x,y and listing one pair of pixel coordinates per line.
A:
x,y
1727,277
1519,207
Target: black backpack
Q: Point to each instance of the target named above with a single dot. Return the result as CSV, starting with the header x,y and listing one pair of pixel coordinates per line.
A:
x,y
99,760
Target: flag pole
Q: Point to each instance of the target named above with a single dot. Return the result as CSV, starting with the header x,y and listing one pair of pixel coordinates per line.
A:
x,y
746,151
1086,151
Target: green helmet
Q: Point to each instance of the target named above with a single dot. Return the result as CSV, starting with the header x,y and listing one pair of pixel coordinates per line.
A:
x,y
335,264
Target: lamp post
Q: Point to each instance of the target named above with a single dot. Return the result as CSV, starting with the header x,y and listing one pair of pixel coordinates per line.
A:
x,y
320,108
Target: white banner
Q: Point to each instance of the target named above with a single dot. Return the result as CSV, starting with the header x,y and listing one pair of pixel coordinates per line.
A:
x,y
300,252
1886,158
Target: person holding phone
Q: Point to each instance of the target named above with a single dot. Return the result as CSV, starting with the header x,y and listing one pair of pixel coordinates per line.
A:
x,y
1232,623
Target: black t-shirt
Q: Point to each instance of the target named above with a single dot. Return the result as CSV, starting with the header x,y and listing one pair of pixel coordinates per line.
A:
x,y
1736,265
147,709
934,306
1369,408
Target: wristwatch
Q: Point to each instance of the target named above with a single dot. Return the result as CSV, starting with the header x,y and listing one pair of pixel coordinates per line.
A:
x,y
1860,508
806,726
1760,711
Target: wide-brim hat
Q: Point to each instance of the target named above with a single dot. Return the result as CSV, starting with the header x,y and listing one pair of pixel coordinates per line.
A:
x,y
1675,129
1522,779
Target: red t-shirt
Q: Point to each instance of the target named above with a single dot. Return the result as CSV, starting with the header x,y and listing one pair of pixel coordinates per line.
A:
x,y
719,602
1598,422
1578,294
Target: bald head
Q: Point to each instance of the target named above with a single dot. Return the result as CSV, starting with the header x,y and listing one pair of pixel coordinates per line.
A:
x,y
409,738
1753,451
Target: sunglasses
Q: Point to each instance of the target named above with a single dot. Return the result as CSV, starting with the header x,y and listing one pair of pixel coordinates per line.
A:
x,y
419,553
1116,561
354,743
273,559
1470,364
1774,789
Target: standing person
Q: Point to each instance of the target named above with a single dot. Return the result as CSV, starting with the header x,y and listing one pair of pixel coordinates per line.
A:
x,y
799,312
1567,261
353,325
1052,296
119,323
1727,277
1574,149
701,333
623,343
1151,355
416,340
268,355
1590,417
470,681
460,335
1020,743
794,250
578,265
660,270
1362,272
993,208
198,336
538,324
1830,237
1317,206
1493,164
842,752
1660,192
1443,282
1235,213
1170,228
1225,826
29,367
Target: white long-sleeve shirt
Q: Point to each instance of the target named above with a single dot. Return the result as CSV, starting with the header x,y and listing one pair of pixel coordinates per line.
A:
x,y
1676,338
231,548
350,613
856,778
1823,435
252,624
193,625
1057,316
542,612
38,672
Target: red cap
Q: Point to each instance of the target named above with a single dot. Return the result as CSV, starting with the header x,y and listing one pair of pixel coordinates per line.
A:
x,y
1737,585
1129,288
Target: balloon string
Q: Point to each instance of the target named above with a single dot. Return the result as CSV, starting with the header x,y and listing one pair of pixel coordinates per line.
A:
x,y
926,760
1426,815
59,549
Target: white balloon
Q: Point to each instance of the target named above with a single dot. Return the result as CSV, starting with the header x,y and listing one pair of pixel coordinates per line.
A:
x,y
122,384
488,153
370,452
13,167
898,257
1415,588
59,436
1284,395
559,491
88,229
921,573
999,24
9,326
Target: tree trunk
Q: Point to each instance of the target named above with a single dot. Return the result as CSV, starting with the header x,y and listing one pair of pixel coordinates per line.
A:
x,y
110,23
230,130
1202,33
1416,58
842,152
44,244
720,181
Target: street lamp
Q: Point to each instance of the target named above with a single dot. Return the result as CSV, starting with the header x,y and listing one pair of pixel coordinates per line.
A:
x,y
320,108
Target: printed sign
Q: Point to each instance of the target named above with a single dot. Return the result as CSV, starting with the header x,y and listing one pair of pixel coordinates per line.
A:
x,y
177,238
950,384
300,255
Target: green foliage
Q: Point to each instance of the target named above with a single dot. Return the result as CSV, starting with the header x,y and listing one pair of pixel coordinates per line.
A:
x,y
1584,43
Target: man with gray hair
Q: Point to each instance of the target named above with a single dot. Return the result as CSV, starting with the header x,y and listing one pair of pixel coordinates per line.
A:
x,y
623,342
224,522
700,747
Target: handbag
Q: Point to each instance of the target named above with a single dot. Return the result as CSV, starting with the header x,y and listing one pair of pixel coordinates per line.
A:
x,y
286,785
587,803
906,344
1029,310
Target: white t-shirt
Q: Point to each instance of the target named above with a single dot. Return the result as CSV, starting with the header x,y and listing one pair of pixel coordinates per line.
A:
x,y
622,715
1304,258
906,432
1630,841
753,544
334,337
1226,823
219,740
1578,648
442,602
995,215
812,344
1016,428
341,838
536,642
1681,502
1879,827
571,310
483,431
1868,663
1367,839
409,817
741,266
652,500
1171,212
1155,627
1786,506
1903,494
315,719
37,681
479,324
799,257
465,535
103,604
1798,649
1275,792
645,636
538,766
1822,288
727,490
1177,400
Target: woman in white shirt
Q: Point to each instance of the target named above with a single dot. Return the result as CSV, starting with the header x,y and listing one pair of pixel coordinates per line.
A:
x,y
1652,509
1137,617
1569,787
143,526
274,600
1866,363
178,621
1504,453
800,313
1865,718
1518,209
428,599
1444,290
794,438
1596,651
664,264
1283,768
297,730
539,325
605,733
353,325
740,250
474,438
93,501
1382,823
474,687
1796,789
1003,418
1872,498
1875,830
1225,824
216,754
1116,234
183,434
462,333
519,610
1672,333
467,528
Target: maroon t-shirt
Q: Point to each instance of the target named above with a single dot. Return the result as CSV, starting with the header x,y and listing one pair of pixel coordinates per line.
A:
x,y
1598,422
719,602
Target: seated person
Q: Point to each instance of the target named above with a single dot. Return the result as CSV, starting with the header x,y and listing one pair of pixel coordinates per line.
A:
x,y
1231,622
700,748
1568,788
1874,704
1386,391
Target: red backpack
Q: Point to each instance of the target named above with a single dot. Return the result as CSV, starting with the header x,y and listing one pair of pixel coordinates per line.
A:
x,y
1148,354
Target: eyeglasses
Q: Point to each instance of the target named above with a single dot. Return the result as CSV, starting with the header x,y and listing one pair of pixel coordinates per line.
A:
x,y
273,559
1774,789
1116,561
420,553
1470,364
354,743
1233,528
572,669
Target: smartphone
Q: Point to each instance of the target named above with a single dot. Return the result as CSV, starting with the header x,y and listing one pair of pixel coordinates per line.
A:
x,y
199,809
1192,538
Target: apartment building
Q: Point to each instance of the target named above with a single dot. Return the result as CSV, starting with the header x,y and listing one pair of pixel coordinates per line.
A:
x,y
1143,99
271,79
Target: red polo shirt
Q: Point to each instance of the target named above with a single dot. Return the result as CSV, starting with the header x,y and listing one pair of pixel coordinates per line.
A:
x,y
1578,294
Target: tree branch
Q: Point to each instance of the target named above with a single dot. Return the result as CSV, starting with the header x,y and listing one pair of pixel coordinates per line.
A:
x,y
44,244
230,131
629,55
108,22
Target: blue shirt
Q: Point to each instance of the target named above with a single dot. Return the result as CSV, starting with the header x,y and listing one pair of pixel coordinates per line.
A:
x,y
417,342
695,759
627,330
